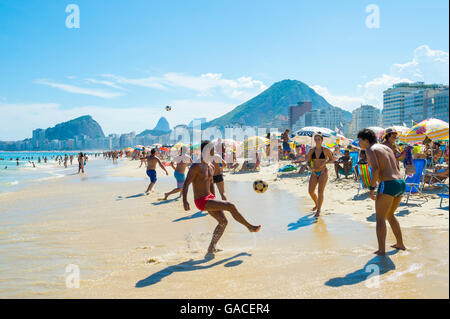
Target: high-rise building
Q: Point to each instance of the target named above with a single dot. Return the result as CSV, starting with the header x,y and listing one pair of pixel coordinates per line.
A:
x,y
38,138
363,117
405,102
296,111
439,105
332,118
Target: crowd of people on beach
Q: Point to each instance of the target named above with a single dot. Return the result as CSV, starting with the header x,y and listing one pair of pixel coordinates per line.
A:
x,y
382,156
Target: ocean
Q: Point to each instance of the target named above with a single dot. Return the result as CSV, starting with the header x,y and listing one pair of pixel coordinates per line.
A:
x,y
12,177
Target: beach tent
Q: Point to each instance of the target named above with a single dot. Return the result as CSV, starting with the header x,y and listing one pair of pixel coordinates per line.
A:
x,y
432,128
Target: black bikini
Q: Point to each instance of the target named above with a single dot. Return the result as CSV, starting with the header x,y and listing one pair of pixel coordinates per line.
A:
x,y
321,156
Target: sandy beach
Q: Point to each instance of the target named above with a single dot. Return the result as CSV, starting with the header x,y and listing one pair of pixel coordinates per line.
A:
x,y
128,245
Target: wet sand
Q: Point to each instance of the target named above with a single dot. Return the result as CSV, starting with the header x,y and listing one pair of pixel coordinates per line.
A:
x,y
132,246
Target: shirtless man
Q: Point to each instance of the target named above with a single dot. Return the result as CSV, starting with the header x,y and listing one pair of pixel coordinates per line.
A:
x,y
201,177
152,161
181,162
386,170
219,164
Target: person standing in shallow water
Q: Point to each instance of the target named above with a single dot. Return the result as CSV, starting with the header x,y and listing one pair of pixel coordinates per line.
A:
x,y
318,158
385,170
201,177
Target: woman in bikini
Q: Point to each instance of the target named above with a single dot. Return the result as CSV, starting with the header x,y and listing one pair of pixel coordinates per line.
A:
x,y
318,158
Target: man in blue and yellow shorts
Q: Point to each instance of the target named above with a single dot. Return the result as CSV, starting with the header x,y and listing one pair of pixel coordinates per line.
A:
x,y
179,164
385,170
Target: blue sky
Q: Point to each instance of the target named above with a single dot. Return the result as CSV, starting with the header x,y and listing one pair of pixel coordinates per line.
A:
x,y
129,59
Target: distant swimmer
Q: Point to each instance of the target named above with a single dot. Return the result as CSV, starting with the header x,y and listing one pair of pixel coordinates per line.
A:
x,y
386,170
181,161
80,163
152,161
318,158
201,177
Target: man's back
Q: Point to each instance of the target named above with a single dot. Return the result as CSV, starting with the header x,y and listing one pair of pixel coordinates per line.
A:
x,y
388,166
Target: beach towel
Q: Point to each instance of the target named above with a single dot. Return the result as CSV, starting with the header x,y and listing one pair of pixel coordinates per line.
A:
x,y
287,168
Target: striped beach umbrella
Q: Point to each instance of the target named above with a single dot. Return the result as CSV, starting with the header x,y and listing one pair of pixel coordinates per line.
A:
x,y
432,128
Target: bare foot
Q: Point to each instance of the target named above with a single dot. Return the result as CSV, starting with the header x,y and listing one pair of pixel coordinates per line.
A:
x,y
399,247
314,208
317,214
217,250
209,255
380,253
254,229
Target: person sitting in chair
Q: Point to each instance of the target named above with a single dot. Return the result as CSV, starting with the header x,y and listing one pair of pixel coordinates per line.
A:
x,y
344,162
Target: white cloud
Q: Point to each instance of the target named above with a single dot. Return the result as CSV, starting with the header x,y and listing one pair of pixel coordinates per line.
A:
x,y
79,90
427,65
205,84
106,83
345,102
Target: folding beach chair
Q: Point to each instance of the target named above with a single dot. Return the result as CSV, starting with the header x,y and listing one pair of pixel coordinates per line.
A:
x,y
444,193
414,183
364,176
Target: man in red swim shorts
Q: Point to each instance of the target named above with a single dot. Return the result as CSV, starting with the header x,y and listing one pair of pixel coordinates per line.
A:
x,y
201,177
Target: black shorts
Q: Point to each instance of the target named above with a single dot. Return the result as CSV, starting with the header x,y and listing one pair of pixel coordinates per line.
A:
x,y
218,178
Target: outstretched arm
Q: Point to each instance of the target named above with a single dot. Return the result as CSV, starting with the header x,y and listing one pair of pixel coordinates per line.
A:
x,y
162,166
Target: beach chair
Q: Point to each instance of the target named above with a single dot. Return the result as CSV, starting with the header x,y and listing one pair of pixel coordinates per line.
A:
x,y
414,183
364,176
444,193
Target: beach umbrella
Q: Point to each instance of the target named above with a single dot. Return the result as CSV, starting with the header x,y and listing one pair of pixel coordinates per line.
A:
x,y
255,143
432,128
180,145
379,131
304,135
400,129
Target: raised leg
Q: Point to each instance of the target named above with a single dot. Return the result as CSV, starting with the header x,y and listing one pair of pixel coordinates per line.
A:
x,y
214,205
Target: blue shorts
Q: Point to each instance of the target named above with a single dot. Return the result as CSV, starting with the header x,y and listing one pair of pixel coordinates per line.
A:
x,y
152,174
286,147
394,188
180,179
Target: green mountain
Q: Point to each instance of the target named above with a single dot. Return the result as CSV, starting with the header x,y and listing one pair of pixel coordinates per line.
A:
x,y
161,128
272,103
84,125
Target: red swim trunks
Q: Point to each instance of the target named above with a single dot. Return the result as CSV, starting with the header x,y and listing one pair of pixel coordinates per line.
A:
x,y
201,202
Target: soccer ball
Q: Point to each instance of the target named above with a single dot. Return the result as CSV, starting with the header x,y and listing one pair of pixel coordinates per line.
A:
x,y
168,108
260,186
